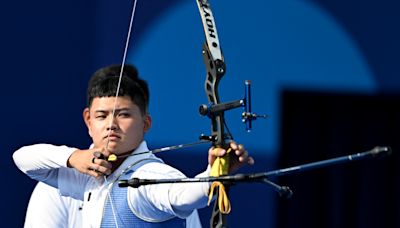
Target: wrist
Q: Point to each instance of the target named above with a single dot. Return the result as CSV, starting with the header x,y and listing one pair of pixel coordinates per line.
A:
x,y
70,160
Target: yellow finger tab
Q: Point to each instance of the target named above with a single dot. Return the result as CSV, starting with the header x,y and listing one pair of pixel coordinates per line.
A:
x,y
112,158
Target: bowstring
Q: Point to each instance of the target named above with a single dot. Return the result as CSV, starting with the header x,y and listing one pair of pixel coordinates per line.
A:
x,y
122,67
109,196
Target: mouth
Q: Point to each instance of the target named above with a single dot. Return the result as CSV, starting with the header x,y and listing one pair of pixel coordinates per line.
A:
x,y
112,137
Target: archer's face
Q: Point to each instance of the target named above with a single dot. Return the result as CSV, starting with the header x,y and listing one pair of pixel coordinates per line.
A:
x,y
120,134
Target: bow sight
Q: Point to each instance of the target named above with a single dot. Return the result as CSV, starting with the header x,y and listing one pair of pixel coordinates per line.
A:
x,y
247,116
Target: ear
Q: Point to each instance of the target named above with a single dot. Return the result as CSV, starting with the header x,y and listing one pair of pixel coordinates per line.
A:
x,y
86,118
147,123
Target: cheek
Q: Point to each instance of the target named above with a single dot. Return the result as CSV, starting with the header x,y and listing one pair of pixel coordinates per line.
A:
x,y
95,130
135,128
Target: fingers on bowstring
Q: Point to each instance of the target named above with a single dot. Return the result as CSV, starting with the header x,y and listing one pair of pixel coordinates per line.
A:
x,y
99,166
94,173
100,159
98,170
98,154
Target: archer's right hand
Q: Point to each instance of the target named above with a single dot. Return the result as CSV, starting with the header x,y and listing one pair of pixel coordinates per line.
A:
x,y
90,162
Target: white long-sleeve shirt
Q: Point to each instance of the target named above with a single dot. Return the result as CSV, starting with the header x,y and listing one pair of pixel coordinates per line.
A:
x,y
48,163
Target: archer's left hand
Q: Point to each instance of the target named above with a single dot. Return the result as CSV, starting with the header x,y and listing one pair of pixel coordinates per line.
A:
x,y
238,156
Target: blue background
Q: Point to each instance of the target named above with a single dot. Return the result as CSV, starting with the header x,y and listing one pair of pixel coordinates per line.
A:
x,y
50,49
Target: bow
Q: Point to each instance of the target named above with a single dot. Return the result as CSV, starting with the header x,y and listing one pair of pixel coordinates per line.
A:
x,y
216,68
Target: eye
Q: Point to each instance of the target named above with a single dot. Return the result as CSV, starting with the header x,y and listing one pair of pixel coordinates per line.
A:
x,y
101,117
124,114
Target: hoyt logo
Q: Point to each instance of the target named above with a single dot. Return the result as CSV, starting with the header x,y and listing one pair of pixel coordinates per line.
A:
x,y
209,19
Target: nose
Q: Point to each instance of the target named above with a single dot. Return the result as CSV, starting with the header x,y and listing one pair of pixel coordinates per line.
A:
x,y
111,127
113,124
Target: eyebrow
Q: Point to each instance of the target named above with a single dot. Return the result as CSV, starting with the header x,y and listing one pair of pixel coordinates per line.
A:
x,y
116,110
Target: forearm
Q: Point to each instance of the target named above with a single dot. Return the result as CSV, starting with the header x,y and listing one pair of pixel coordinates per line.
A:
x,y
41,161
191,196
166,199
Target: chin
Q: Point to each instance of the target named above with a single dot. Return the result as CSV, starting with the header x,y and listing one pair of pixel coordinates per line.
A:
x,y
112,149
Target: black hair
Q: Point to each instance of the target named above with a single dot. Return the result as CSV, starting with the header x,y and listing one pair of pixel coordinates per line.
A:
x,y
104,83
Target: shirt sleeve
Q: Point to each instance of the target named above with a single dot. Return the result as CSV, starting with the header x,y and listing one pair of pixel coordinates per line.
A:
x,y
48,163
160,201
186,197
